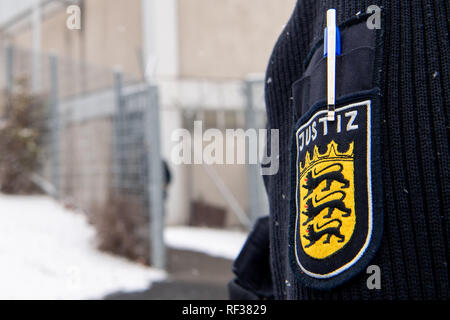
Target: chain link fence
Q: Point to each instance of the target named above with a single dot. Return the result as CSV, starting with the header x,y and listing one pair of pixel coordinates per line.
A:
x,y
100,149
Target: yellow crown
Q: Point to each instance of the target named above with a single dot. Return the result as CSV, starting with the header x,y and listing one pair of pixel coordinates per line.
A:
x,y
332,153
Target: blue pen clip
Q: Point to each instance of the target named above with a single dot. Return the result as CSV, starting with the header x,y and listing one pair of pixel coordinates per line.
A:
x,y
338,43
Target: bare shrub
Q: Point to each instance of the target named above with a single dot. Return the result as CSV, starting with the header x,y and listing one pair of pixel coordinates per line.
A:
x,y
21,128
122,227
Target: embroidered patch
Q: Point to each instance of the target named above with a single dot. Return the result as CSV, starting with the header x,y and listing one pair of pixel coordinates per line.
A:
x,y
337,213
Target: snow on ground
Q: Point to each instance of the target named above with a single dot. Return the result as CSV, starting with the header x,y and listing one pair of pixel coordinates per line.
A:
x,y
218,243
47,252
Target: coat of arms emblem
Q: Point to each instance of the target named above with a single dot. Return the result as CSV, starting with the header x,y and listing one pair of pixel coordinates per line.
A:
x,y
336,223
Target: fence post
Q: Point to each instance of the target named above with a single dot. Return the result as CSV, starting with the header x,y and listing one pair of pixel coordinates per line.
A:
x,y
54,123
252,169
9,76
155,180
118,119
255,186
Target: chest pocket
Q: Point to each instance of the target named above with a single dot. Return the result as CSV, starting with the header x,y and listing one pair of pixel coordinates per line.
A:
x,y
354,69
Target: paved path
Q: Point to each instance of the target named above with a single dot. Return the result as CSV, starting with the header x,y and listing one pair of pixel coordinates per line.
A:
x,y
193,276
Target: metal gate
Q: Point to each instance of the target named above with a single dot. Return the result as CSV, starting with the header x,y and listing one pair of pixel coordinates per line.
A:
x,y
138,163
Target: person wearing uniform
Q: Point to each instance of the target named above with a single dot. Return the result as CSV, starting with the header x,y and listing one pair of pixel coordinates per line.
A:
x,y
360,93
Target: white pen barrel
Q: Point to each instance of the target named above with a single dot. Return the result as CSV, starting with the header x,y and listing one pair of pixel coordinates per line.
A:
x,y
331,59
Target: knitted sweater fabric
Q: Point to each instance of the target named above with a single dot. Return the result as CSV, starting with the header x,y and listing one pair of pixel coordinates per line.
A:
x,y
415,87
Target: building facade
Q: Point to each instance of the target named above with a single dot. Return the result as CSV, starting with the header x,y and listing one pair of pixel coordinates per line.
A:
x,y
198,52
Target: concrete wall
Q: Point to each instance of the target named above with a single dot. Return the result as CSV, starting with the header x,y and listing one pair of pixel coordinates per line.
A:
x,y
229,38
232,175
111,34
215,38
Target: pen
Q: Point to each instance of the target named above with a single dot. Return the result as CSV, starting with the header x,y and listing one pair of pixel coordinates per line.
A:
x,y
331,35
